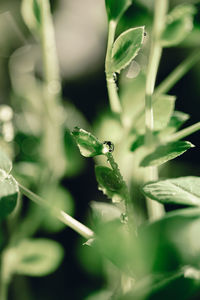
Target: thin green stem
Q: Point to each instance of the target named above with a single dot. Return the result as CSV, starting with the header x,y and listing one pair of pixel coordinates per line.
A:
x,y
59,214
155,210
183,133
178,73
111,85
53,153
50,60
128,204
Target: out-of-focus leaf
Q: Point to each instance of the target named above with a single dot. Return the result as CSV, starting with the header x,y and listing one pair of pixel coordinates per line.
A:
x,y
61,199
116,8
164,286
88,144
105,211
182,190
179,25
163,106
114,241
138,142
125,48
74,161
90,259
178,118
8,195
100,295
109,183
38,257
171,242
165,152
161,247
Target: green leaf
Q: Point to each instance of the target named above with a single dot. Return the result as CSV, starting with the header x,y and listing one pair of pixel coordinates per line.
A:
x,y
182,190
163,107
105,211
8,195
61,199
116,8
109,183
38,257
179,24
138,142
74,161
100,295
171,242
88,144
166,152
178,118
125,48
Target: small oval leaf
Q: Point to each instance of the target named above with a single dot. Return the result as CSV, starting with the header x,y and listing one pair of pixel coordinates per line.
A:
x,y
116,8
166,152
182,190
179,24
88,144
125,48
8,195
109,183
59,198
38,257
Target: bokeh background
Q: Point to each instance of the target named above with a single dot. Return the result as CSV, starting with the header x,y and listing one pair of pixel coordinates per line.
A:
x,y
81,33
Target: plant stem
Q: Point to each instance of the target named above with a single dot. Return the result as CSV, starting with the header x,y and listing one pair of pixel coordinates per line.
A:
x,y
155,209
178,73
59,214
111,85
128,205
50,60
52,152
184,132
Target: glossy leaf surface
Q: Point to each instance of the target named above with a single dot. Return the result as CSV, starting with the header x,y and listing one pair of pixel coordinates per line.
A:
x,y
166,152
109,183
125,48
88,144
182,190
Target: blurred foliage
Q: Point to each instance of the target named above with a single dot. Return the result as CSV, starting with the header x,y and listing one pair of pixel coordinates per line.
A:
x,y
163,260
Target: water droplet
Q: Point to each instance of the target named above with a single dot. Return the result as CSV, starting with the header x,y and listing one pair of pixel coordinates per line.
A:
x,y
124,218
115,76
107,147
133,70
